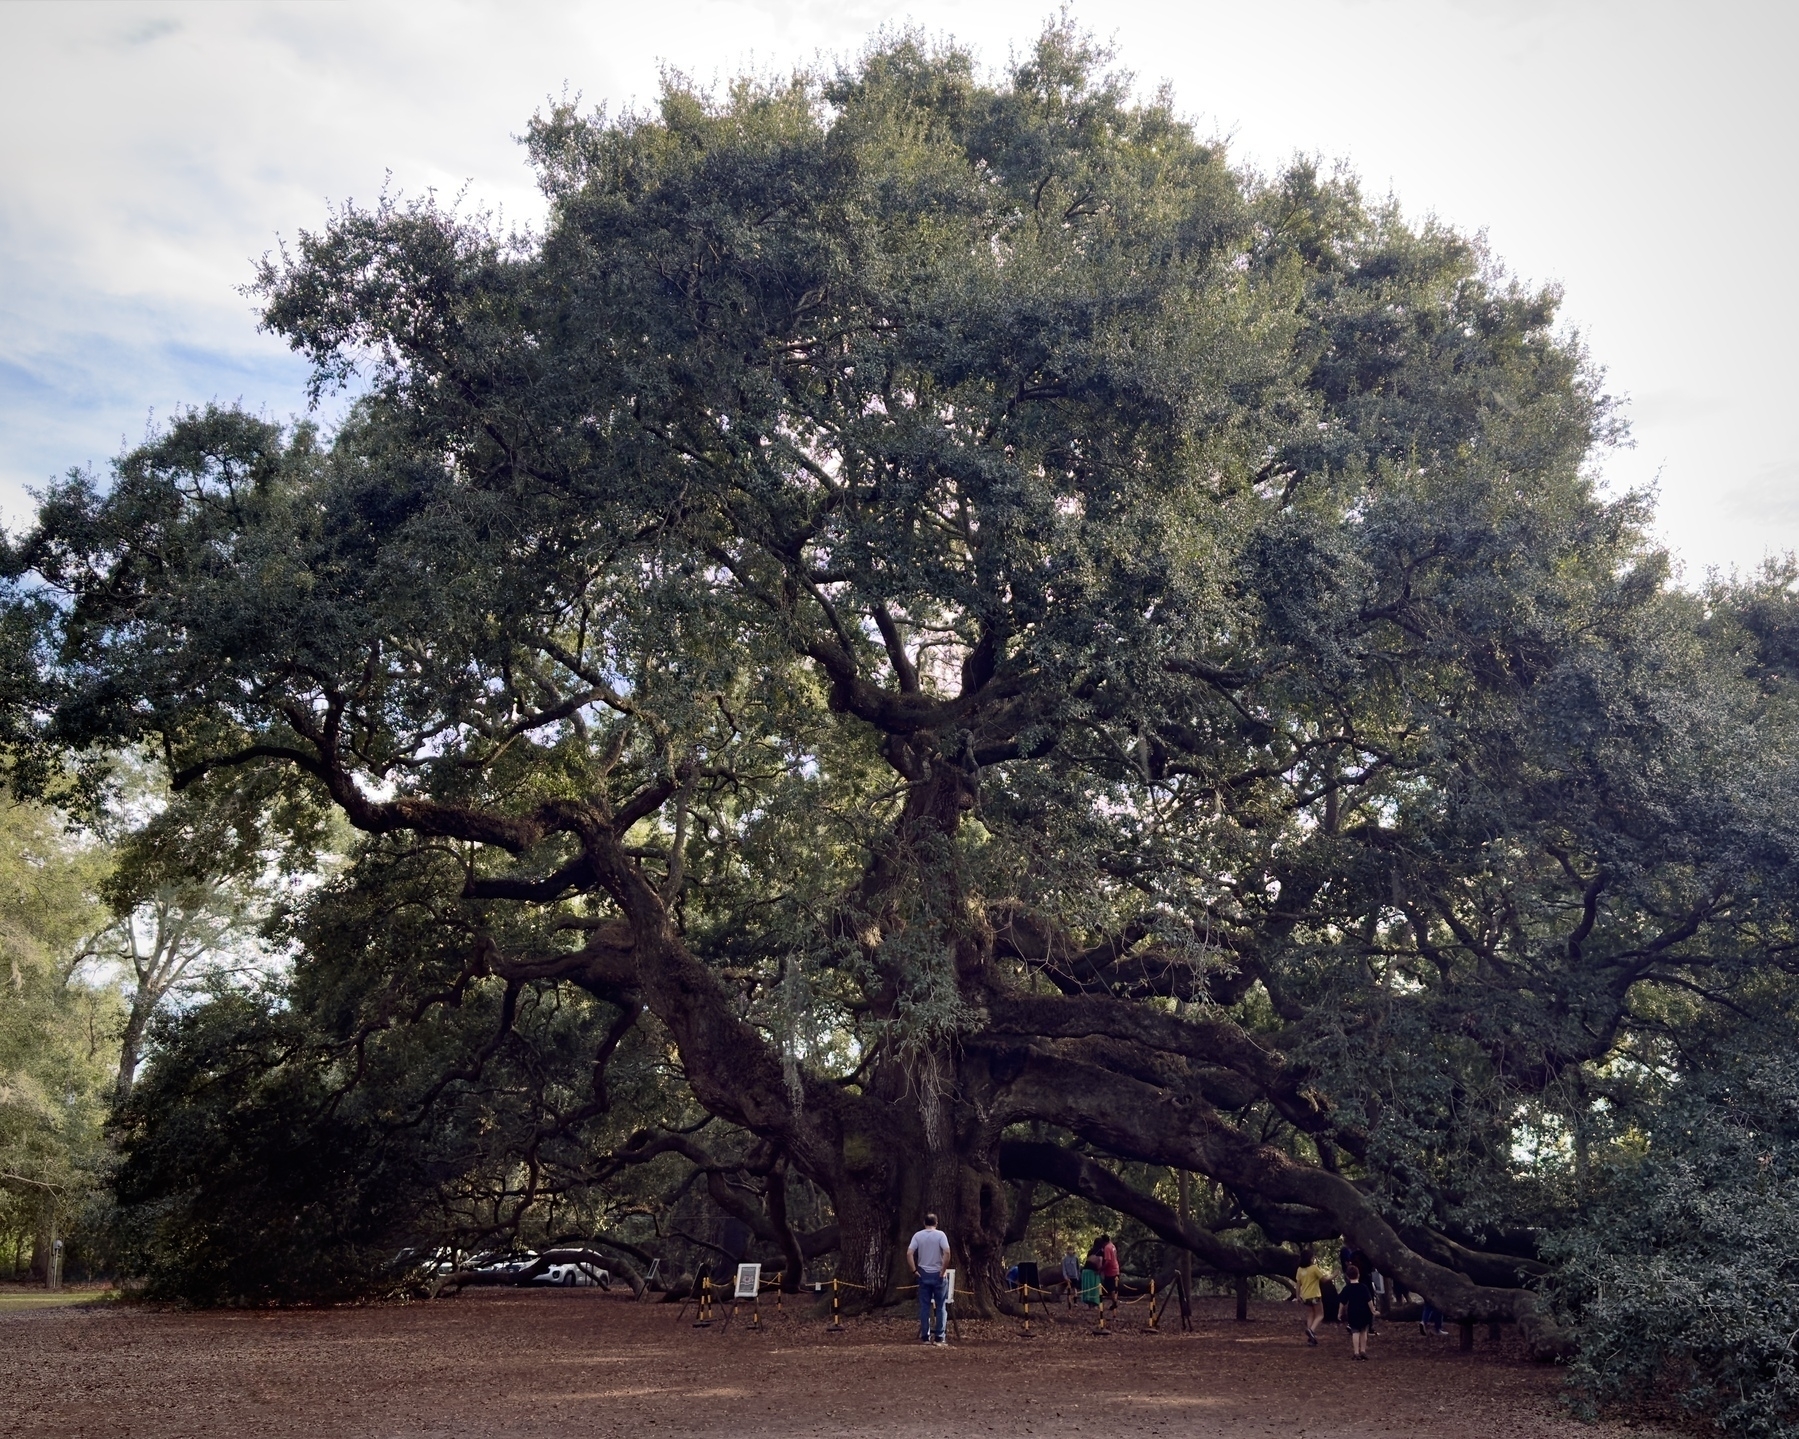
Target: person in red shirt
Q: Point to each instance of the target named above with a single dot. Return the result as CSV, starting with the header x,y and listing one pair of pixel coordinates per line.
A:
x,y
1108,1267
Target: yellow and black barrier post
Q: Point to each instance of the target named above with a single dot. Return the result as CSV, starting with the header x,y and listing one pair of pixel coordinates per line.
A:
x,y
705,1319
780,1284
836,1325
1027,1311
1152,1305
1102,1332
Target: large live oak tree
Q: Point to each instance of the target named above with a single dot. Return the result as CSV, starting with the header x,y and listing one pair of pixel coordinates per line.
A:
x,y
1020,646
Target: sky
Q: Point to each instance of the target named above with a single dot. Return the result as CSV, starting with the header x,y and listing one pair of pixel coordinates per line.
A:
x,y
1640,156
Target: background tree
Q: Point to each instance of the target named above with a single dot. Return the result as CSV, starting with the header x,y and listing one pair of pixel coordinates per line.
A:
x,y
56,1035
1033,657
162,942
193,885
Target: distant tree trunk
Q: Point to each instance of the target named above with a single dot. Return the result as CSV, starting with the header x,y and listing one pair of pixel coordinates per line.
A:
x,y
1184,1188
131,1042
1582,1149
43,1242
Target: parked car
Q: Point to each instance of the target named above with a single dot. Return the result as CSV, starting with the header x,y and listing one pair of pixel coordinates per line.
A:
x,y
510,1264
573,1274
433,1263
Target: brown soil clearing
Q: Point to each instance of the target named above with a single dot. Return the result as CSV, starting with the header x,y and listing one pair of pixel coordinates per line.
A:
x,y
578,1362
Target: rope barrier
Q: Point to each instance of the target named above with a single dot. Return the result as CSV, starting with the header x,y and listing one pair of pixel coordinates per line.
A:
x,y
702,1297
703,1290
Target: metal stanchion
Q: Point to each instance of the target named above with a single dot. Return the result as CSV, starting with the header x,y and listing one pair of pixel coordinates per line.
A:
x,y
705,1319
836,1324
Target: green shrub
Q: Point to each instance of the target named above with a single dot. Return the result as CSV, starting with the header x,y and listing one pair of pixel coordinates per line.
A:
x,y
1681,1277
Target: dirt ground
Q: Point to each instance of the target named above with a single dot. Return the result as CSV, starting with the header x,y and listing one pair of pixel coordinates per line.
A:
x,y
508,1363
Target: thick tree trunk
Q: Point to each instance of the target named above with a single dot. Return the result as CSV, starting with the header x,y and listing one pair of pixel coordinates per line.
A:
x,y
877,1219
793,1259
917,1146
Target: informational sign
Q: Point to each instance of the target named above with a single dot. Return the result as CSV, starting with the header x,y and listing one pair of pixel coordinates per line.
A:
x,y
949,1287
749,1281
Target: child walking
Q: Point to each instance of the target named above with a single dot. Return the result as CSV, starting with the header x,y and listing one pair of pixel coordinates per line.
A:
x,y
1310,1283
1358,1310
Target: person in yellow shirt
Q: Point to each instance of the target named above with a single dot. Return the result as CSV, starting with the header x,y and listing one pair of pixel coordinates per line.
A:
x,y
1310,1281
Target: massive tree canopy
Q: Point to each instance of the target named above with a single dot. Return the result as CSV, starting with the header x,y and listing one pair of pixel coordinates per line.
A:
x,y
1016,647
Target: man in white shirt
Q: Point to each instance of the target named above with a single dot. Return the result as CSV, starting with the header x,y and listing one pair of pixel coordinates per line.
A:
x,y
928,1254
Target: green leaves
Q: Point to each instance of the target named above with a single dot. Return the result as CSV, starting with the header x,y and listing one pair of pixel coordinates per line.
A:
x,y
58,1026
1680,1270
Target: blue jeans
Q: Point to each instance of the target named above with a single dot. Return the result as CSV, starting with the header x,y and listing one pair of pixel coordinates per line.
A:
x,y
930,1292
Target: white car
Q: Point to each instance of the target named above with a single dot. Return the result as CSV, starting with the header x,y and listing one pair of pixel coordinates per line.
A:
x,y
573,1274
